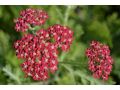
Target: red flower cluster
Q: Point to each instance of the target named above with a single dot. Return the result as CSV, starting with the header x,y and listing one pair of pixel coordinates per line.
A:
x,y
100,61
29,18
39,51
38,54
62,35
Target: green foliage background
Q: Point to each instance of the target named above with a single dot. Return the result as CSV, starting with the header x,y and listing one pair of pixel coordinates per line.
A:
x,y
87,22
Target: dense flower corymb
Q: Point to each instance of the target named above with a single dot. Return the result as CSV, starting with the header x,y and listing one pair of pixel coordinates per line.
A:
x,y
39,56
30,18
100,61
62,35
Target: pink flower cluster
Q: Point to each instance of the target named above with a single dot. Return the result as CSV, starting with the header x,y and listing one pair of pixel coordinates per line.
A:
x,y
100,61
62,35
39,52
30,18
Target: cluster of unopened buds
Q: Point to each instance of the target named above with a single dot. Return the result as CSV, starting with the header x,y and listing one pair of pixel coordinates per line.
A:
x,y
100,61
40,50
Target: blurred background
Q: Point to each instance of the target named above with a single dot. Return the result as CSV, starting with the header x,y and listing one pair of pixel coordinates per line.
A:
x,y
88,23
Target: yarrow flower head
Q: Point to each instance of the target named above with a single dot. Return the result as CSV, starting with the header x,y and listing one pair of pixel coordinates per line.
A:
x,y
100,61
30,18
39,56
62,35
38,50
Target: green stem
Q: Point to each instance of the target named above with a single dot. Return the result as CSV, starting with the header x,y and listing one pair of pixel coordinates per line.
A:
x,y
59,13
73,63
67,14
